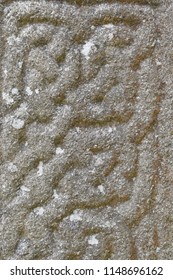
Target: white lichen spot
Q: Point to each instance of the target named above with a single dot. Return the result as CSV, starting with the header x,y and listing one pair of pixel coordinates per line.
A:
x,y
18,123
110,129
21,111
76,216
107,224
109,25
12,167
87,49
110,36
101,189
98,161
8,99
154,43
93,240
20,64
157,249
4,187
39,211
11,40
37,91
59,151
28,91
23,247
77,129
24,189
158,63
40,169
15,91
55,195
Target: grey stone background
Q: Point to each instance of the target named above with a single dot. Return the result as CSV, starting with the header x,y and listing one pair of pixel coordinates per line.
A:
x,y
86,129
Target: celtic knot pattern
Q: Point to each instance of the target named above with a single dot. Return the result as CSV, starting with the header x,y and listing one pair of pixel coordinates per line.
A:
x,y
80,103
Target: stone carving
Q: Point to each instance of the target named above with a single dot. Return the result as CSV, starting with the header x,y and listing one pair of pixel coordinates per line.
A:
x,y
80,99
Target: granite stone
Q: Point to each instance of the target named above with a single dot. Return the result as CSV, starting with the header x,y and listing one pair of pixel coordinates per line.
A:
x,y
86,139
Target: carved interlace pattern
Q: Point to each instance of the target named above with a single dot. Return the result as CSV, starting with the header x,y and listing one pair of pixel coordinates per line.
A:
x,y
79,103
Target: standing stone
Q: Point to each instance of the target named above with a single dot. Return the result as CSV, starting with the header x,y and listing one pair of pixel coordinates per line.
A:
x,y
86,140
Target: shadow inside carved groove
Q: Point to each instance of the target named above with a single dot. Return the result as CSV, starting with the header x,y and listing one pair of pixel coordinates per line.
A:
x,y
94,2
41,42
131,174
106,121
60,100
33,19
98,98
114,161
58,140
60,59
139,58
96,149
73,257
97,182
108,18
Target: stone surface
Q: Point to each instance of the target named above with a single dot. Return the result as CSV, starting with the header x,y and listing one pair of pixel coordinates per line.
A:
x,y
86,139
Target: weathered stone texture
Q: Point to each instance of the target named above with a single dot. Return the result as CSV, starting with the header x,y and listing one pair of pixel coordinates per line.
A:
x,y
86,139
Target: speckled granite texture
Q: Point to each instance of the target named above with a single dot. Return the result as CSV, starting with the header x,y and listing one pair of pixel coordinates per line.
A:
x,y
86,140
